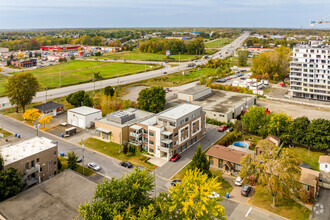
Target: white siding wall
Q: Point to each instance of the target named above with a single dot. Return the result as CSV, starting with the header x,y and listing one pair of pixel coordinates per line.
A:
x,y
83,121
325,167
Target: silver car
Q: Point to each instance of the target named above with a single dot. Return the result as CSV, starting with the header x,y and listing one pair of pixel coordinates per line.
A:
x,y
94,166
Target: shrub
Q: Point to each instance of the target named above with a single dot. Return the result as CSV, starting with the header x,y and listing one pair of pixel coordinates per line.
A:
x,y
230,138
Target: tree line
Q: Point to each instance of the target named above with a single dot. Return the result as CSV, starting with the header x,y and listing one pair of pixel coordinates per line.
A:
x,y
176,46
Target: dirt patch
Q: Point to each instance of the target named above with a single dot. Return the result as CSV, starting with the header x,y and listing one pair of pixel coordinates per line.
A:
x,y
133,93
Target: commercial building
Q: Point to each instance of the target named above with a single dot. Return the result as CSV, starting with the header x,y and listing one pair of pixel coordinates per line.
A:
x,y
24,63
310,71
219,105
50,108
171,131
57,198
61,48
115,126
83,117
35,159
225,158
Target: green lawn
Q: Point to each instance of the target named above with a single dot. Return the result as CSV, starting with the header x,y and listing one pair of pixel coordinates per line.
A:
x,y
287,208
5,133
311,157
137,55
218,43
64,162
77,71
3,81
113,150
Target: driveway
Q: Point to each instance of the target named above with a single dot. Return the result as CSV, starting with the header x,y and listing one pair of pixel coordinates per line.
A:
x,y
235,194
171,168
321,209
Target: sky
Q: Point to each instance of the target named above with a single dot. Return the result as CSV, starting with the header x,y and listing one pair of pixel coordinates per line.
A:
x,y
27,14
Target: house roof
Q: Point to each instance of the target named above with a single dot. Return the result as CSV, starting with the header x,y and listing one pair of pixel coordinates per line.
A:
x,y
273,139
324,159
226,153
309,177
48,106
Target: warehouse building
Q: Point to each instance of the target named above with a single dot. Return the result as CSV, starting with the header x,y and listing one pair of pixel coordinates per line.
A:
x,y
218,104
83,117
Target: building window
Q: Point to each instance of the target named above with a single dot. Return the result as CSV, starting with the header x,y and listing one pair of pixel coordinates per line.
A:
x,y
151,150
186,120
176,134
27,165
54,163
211,161
194,116
151,133
326,165
37,160
151,142
182,131
40,169
172,124
186,128
220,163
237,167
54,153
32,163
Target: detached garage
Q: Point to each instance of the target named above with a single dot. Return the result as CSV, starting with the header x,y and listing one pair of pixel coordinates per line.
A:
x,y
83,117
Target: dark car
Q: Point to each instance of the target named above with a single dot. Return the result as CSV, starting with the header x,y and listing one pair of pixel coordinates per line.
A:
x,y
79,160
126,164
164,72
175,182
246,190
175,157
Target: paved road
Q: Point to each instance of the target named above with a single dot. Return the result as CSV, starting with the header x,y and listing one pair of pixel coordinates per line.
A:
x,y
321,209
110,166
60,92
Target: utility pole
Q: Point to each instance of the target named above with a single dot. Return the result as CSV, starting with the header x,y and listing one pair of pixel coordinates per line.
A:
x,y
83,156
46,93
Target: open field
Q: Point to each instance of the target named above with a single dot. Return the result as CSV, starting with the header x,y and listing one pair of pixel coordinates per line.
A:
x,y
287,208
137,55
75,72
309,157
3,80
113,150
218,43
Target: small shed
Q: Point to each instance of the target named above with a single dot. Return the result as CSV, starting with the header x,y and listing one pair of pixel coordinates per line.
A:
x,y
50,108
83,117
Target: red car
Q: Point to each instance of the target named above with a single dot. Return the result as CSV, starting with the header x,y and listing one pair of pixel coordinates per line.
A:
x,y
175,157
222,128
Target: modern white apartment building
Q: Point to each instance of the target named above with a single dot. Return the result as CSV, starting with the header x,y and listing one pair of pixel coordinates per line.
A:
x,y
171,131
310,71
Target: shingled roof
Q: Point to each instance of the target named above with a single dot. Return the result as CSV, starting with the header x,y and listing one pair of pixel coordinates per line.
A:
x,y
48,106
226,153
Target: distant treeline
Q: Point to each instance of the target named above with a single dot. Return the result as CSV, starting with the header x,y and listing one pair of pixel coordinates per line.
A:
x,y
176,46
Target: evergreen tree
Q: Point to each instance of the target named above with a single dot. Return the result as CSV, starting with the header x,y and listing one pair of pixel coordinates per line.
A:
x,y
200,162
10,183
72,160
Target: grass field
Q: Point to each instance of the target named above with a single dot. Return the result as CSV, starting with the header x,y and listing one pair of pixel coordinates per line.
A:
x,y
75,72
112,149
218,43
287,208
5,133
3,80
311,157
137,55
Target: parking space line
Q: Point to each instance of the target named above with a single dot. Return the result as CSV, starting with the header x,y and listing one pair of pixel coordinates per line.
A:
x,y
248,212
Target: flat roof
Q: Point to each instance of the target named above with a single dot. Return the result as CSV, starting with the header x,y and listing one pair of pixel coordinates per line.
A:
x,y
221,101
56,198
179,111
194,90
13,153
84,110
139,115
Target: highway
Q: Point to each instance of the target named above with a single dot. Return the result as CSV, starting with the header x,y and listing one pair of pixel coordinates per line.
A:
x,y
60,92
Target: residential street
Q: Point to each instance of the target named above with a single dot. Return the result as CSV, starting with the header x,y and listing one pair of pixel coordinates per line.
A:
x,y
321,208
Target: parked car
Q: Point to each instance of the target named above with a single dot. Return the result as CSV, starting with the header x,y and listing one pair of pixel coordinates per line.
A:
x,y
79,160
168,90
222,128
229,129
175,157
246,190
214,195
238,181
175,182
164,72
93,166
126,164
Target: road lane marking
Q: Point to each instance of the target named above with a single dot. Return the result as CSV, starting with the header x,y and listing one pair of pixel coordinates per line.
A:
x,y
248,213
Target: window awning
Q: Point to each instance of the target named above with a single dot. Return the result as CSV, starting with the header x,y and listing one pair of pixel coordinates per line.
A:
x,y
136,127
103,130
167,133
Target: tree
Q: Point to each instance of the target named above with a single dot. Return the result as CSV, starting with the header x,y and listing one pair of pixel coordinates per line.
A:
x,y
31,114
72,160
46,119
152,99
72,57
280,125
21,88
299,130
110,104
109,91
10,183
278,170
255,120
190,200
318,134
79,98
8,63
1,162
242,57
200,162
117,197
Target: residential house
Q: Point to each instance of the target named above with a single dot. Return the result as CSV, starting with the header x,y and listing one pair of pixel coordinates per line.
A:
x,y
310,181
50,108
171,131
324,162
226,159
